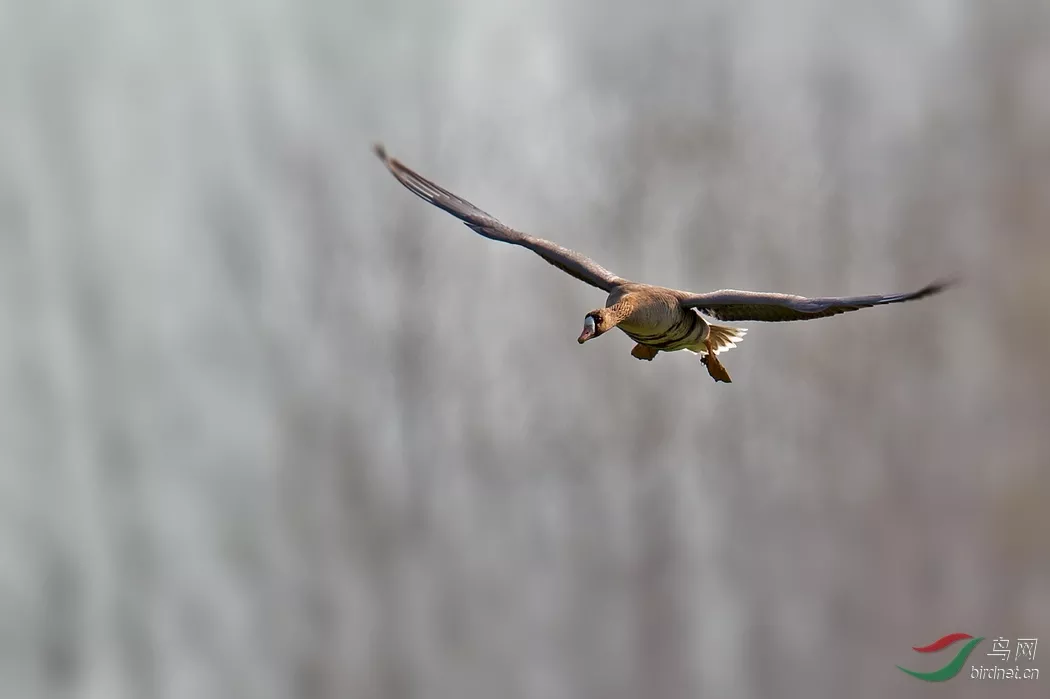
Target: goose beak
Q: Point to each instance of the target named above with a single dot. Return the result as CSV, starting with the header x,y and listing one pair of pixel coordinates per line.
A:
x,y
588,330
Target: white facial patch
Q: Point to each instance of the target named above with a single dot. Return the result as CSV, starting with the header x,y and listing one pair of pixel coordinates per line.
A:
x,y
588,324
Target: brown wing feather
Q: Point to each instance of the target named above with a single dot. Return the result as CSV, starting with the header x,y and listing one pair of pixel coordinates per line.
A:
x,y
730,304
569,261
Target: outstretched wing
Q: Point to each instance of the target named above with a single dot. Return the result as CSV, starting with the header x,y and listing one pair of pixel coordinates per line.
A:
x,y
729,304
579,266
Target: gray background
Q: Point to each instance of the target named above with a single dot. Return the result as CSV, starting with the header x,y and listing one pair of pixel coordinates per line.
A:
x,y
271,427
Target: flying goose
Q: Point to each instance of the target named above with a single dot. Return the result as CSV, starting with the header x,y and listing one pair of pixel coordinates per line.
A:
x,y
658,319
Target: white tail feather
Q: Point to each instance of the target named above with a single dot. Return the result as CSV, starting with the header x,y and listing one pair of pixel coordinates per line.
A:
x,y
722,338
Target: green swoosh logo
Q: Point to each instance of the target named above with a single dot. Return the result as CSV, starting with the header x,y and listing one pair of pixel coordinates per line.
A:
x,y
948,671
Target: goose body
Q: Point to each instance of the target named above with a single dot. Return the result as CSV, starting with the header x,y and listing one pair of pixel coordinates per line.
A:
x,y
657,318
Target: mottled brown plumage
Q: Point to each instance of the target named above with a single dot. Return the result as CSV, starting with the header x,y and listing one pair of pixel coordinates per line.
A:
x,y
657,318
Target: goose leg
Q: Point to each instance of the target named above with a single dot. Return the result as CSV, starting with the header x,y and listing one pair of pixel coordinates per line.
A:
x,y
643,352
714,367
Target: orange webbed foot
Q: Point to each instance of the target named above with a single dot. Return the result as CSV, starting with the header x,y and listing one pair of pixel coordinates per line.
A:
x,y
643,352
714,367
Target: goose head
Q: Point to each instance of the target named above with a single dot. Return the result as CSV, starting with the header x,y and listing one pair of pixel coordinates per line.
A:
x,y
596,323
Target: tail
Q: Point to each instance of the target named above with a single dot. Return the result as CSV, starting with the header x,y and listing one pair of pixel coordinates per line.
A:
x,y
722,338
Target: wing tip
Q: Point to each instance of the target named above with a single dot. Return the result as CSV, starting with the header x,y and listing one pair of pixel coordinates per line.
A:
x,y
380,150
938,286
395,166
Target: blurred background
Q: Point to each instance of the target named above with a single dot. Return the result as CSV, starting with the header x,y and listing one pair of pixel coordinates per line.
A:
x,y
272,427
